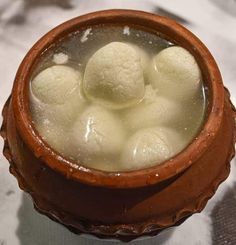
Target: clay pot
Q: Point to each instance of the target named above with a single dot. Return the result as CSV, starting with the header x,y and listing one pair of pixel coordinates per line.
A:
x,y
129,204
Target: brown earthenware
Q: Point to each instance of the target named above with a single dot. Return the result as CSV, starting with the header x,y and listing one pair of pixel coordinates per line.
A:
x,y
125,205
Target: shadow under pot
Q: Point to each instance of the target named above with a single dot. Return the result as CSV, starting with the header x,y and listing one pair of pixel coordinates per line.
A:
x,y
129,204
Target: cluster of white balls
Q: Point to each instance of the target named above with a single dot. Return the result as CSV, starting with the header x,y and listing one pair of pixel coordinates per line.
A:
x,y
122,107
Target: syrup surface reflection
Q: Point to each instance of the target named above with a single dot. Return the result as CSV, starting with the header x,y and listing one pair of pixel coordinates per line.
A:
x,y
117,98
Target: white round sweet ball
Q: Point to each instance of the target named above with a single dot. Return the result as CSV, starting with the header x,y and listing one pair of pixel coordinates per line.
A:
x,y
56,84
114,77
57,137
63,115
144,56
97,132
150,146
153,111
175,73
67,113
63,112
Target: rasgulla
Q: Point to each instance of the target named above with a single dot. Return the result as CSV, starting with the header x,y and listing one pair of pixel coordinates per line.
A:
x,y
153,111
114,76
97,132
175,73
56,94
150,146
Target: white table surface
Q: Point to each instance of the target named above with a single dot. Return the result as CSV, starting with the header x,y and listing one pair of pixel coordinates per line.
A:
x,y
22,22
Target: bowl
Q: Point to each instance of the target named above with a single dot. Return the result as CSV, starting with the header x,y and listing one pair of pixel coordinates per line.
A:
x,y
122,205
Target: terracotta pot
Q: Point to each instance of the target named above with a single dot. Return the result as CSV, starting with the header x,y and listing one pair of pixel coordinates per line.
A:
x,y
129,204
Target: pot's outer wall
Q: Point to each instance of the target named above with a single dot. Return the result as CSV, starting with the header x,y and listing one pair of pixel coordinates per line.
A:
x,y
129,212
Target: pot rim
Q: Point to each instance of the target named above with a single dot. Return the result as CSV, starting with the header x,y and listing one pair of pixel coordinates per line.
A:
x,y
131,179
